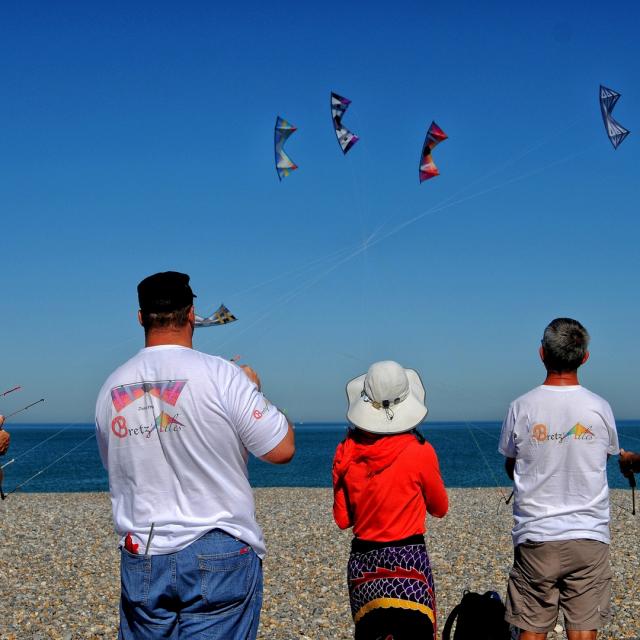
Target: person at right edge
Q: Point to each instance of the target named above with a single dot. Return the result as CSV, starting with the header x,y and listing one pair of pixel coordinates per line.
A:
x,y
557,439
386,478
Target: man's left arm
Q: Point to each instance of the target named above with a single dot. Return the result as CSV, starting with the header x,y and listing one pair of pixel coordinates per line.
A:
x,y
283,452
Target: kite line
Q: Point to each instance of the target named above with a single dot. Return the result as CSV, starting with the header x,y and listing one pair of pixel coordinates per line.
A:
x,y
39,444
506,164
358,249
35,475
347,253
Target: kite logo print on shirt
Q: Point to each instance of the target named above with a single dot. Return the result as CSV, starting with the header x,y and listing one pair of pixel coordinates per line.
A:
x,y
580,432
540,433
168,391
257,413
164,421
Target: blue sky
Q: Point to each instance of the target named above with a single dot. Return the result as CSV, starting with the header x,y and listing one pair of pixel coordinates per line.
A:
x,y
136,139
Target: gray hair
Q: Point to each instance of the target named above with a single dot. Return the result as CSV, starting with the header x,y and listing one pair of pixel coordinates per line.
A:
x,y
565,343
165,319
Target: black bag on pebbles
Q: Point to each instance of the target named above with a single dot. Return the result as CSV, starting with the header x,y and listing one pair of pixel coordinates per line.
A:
x,y
478,616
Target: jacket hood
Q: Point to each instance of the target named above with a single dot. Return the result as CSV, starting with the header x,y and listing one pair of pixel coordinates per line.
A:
x,y
375,454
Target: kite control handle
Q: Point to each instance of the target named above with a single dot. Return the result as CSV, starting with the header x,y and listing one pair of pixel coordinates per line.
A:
x,y
6,393
15,413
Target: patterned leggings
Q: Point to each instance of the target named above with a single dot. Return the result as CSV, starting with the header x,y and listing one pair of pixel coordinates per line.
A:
x,y
391,590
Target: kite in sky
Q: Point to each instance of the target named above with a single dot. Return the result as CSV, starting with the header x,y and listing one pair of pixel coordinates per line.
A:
x,y
428,169
221,315
284,165
346,139
616,132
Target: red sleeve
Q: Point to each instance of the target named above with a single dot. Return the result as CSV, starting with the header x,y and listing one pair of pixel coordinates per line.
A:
x,y
341,513
435,495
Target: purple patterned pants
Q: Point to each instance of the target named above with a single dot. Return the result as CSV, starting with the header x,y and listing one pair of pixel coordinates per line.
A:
x,y
389,581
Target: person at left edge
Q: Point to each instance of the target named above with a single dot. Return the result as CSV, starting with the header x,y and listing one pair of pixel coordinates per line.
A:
x,y
4,438
174,429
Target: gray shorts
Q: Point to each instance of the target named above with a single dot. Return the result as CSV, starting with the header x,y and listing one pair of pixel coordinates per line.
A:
x,y
572,575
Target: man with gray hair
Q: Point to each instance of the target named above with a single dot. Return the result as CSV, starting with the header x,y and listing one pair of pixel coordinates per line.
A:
x,y
556,439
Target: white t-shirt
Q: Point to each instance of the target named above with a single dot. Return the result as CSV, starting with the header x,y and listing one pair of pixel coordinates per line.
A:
x,y
174,427
560,438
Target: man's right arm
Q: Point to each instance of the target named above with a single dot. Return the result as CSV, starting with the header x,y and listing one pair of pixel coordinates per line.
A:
x,y
102,436
507,445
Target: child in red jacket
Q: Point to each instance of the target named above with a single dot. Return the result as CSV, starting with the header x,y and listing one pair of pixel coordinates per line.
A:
x,y
385,479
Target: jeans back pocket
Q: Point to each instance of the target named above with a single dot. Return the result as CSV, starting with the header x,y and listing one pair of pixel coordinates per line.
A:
x,y
135,577
226,579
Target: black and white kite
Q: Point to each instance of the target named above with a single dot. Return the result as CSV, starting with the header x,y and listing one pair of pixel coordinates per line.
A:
x,y
346,139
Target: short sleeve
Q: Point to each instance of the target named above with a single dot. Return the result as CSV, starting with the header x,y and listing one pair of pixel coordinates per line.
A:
x,y
507,446
613,447
260,426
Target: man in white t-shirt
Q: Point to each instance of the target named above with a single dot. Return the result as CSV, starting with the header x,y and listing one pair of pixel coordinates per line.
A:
x,y
556,440
174,428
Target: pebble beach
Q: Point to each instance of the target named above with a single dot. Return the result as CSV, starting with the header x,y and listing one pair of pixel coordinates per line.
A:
x,y
59,572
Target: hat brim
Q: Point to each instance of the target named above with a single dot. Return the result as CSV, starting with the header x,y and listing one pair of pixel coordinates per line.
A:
x,y
407,415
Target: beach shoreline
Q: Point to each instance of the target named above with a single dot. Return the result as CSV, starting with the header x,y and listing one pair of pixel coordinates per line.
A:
x,y
60,571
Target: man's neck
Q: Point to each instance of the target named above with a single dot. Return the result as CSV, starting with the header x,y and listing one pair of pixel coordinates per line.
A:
x,y
561,378
179,337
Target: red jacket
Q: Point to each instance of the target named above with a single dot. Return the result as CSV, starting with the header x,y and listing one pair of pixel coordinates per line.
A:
x,y
384,487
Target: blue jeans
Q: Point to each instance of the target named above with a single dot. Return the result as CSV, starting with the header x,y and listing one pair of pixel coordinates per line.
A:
x,y
211,589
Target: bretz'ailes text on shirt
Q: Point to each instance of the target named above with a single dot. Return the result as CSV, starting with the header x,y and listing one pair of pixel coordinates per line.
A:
x,y
164,423
540,433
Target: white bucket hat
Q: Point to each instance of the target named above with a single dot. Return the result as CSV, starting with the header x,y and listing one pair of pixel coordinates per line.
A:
x,y
387,399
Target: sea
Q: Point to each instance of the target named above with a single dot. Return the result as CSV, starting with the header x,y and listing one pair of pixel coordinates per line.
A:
x,y
56,457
